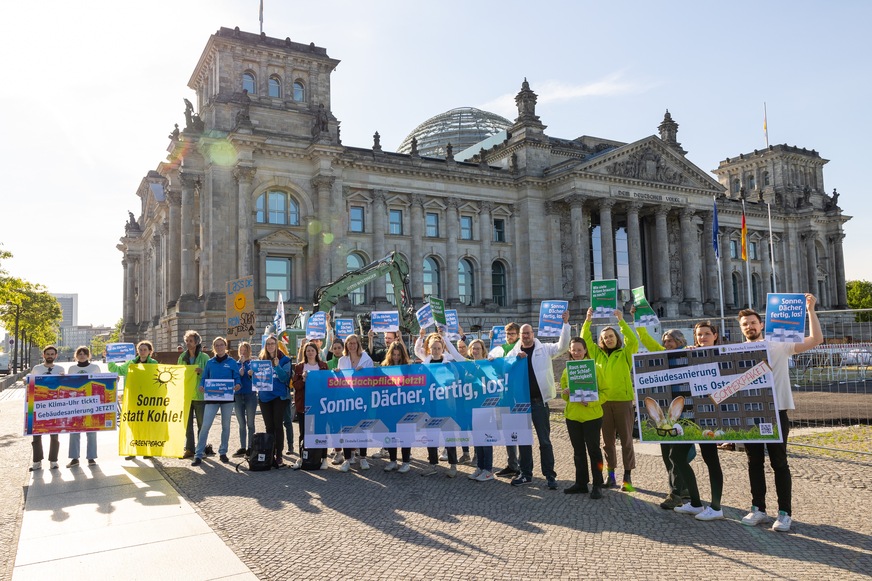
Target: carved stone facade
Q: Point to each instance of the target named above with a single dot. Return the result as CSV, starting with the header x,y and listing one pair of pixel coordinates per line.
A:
x,y
258,183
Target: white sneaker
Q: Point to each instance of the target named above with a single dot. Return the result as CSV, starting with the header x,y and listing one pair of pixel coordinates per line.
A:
x,y
391,466
364,465
710,514
475,474
381,454
404,468
452,471
485,476
36,466
782,523
353,459
297,465
755,517
688,508
325,464
339,458
53,465
444,455
346,466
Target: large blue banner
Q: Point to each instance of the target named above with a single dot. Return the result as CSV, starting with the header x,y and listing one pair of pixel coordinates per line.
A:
x,y
478,403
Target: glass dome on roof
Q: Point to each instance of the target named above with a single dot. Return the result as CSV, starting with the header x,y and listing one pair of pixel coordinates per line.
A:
x,y
462,127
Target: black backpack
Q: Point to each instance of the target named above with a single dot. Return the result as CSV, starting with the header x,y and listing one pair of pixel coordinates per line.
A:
x,y
311,458
262,450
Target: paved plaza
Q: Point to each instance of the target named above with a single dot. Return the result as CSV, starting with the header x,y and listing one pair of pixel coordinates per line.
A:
x,y
375,525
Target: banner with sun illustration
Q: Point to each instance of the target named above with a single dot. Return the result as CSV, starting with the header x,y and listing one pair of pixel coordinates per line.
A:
x,y
239,308
154,410
57,404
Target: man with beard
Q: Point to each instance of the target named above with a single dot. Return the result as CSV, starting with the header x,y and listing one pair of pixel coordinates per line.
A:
x,y
47,367
751,325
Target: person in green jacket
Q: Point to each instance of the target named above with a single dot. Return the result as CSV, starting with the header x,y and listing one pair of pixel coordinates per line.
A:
x,y
672,339
144,349
584,421
194,355
614,363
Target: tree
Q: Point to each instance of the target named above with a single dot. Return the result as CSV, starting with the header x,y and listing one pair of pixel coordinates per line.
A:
x,y
860,297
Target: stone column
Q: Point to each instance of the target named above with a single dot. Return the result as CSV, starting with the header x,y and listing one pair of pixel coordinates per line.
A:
x,y
452,293
811,263
128,290
607,238
841,288
416,260
319,251
486,232
244,175
690,259
634,244
555,268
580,249
713,293
174,260
261,275
378,243
188,269
661,256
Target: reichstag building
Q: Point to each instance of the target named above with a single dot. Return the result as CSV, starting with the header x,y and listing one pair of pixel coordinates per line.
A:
x,y
493,215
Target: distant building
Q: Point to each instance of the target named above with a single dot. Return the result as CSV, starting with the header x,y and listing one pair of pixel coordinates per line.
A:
x,y
258,182
80,335
69,308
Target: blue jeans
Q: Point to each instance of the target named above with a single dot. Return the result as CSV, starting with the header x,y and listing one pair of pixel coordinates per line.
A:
x,y
196,411
245,404
75,445
484,458
512,458
542,425
209,413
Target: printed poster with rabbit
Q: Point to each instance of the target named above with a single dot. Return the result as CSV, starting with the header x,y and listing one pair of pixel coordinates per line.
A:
x,y
706,395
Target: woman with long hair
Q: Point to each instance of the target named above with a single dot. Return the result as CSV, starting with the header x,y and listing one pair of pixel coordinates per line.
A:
x,y
435,349
245,400
614,362
144,349
584,421
483,455
705,334
354,357
396,354
273,403
310,360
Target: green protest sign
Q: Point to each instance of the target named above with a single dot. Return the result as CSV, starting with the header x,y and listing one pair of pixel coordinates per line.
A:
x,y
644,315
603,298
582,381
438,308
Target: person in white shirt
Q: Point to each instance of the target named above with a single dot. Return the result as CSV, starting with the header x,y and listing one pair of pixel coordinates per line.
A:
x,y
83,366
751,325
47,367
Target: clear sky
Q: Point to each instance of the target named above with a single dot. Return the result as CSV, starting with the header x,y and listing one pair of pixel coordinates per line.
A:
x,y
94,87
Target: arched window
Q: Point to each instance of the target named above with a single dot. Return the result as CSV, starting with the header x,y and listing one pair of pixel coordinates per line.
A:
x,y
354,262
274,87
765,178
277,208
299,91
432,286
498,280
737,185
249,83
752,183
755,291
736,286
466,282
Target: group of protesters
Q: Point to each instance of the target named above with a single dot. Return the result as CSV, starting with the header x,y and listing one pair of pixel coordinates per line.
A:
x,y
593,427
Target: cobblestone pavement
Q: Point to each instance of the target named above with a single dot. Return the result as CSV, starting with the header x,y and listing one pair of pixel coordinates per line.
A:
x,y
375,525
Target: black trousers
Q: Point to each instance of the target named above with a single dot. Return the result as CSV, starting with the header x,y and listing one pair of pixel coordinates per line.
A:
x,y
433,455
53,448
407,454
273,413
585,439
778,461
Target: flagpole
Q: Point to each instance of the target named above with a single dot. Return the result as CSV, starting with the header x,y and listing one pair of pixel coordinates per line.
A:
x,y
261,18
765,125
716,243
746,257
772,250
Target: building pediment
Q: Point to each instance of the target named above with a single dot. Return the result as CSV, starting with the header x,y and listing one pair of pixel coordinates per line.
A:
x,y
281,240
649,160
